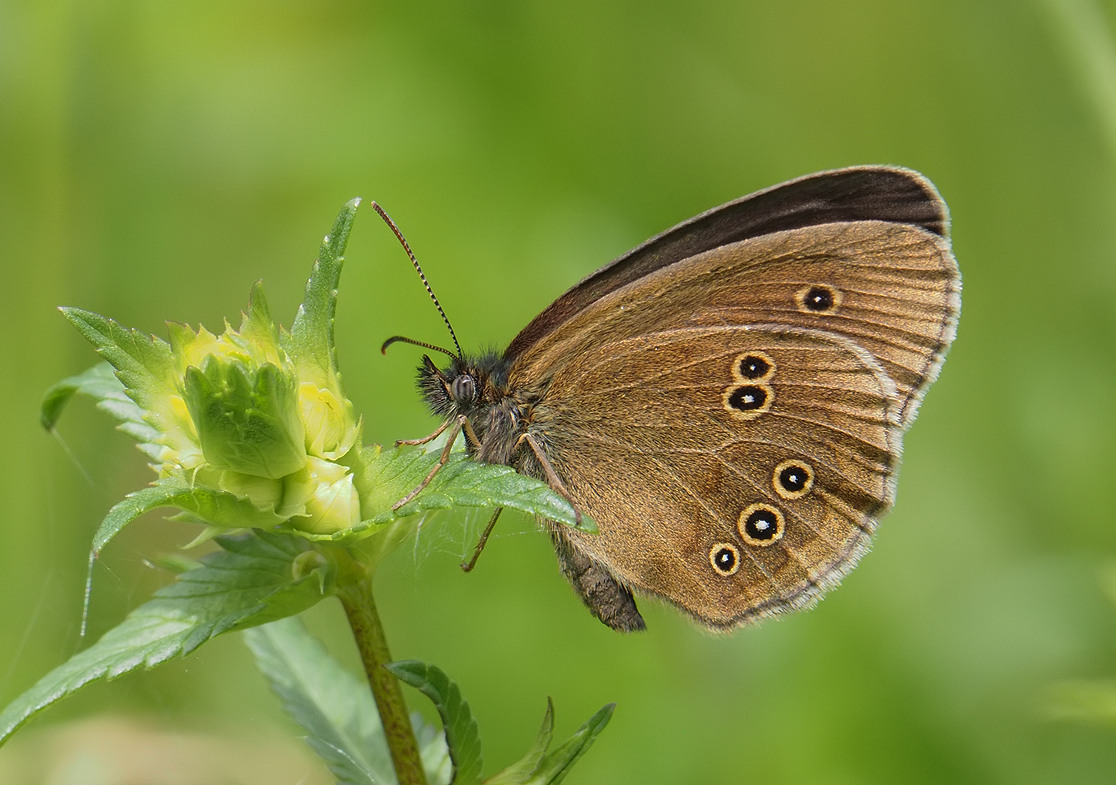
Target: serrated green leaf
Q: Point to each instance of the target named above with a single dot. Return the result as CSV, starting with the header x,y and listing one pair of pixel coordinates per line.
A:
x,y
457,719
335,708
311,336
537,768
329,703
143,362
557,764
206,504
250,582
462,482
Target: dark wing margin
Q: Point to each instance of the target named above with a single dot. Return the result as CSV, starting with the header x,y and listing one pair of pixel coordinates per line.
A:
x,y
867,193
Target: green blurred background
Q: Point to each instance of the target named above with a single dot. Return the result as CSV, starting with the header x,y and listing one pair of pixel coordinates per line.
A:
x,y
158,158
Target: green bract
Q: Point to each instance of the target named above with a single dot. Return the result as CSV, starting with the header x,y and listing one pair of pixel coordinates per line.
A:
x,y
246,415
231,414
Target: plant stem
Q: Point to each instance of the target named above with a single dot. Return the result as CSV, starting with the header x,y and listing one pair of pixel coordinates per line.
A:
x,y
355,591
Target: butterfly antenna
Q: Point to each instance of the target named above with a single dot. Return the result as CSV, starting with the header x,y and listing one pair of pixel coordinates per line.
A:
x,y
413,342
430,291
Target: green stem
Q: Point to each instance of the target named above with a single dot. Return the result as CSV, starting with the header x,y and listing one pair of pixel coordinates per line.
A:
x,y
355,592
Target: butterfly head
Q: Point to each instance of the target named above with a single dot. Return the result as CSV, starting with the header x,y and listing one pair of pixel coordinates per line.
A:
x,y
467,385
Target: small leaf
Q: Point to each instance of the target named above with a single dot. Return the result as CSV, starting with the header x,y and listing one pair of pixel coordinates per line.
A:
x,y
207,504
535,769
257,329
462,482
329,703
311,336
143,363
557,764
457,718
248,583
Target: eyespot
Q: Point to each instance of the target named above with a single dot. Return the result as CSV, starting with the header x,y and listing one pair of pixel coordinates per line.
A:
x,y
753,366
818,298
725,558
761,524
463,389
793,479
748,400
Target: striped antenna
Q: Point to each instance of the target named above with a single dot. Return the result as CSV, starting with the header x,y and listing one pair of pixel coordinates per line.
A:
x,y
422,275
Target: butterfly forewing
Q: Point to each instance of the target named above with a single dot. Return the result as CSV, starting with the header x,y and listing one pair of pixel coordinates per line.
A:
x,y
864,193
890,288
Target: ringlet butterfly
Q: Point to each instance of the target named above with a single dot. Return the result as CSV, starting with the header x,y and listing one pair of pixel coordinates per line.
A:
x,y
728,400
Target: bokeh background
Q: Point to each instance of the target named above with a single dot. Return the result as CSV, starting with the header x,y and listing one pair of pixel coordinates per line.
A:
x,y
158,158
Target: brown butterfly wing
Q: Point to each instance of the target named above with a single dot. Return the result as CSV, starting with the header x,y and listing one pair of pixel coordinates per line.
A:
x,y
883,297
733,471
863,193
893,289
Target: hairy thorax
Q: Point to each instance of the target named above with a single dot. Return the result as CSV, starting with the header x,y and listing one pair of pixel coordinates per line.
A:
x,y
498,416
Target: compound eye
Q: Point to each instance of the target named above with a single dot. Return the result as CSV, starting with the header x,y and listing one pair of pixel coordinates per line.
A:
x,y
463,388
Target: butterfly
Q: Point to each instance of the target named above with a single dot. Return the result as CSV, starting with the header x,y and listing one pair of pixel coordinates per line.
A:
x,y
727,401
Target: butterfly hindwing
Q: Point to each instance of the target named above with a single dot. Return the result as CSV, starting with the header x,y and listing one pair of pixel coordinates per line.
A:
x,y
672,441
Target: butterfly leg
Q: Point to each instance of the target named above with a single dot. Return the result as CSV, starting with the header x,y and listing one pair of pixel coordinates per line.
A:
x,y
425,439
551,476
469,565
458,425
